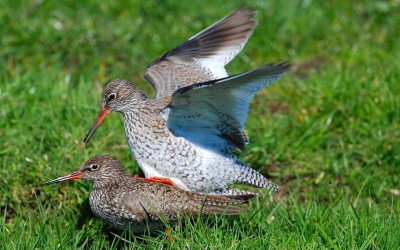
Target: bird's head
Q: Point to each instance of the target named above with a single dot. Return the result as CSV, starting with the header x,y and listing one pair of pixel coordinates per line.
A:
x,y
119,95
97,169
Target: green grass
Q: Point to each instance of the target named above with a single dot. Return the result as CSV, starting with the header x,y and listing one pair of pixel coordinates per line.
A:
x,y
327,132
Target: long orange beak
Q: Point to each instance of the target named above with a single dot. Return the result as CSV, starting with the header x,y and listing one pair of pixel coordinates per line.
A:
x,y
102,115
72,176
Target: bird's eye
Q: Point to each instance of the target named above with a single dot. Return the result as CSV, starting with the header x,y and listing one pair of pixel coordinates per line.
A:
x,y
94,166
111,96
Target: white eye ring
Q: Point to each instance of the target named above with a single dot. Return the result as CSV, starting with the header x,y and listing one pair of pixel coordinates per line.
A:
x,y
94,166
111,96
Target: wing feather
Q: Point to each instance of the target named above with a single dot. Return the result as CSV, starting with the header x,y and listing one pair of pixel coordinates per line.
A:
x,y
202,57
213,114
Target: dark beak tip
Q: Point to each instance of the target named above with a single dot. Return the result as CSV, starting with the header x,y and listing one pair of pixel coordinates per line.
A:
x,y
45,183
88,137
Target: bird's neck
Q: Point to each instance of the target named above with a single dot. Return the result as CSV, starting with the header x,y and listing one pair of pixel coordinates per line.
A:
x,y
146,132
107,183
145,118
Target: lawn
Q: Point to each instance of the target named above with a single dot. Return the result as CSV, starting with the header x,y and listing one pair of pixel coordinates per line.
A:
x,y
328,131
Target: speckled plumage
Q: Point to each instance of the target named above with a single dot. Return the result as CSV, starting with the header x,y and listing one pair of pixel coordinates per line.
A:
x,y
189,131
122,200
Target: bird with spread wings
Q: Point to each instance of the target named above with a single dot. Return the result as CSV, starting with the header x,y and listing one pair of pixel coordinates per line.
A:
x,y
186,135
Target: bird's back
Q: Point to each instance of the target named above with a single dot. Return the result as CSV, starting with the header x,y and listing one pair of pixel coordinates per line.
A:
x,y
140,204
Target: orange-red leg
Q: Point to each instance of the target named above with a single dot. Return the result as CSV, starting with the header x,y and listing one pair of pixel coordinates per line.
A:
x,y
157,179
160,180
169,234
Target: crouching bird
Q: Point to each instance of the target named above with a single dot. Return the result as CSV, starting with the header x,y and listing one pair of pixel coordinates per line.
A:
x,y
125,201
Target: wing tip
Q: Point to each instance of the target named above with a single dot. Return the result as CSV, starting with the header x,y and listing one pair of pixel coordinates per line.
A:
x,y
245,7
278,67
282,64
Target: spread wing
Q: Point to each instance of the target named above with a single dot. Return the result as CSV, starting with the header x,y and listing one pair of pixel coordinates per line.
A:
x,y
213,114
202,57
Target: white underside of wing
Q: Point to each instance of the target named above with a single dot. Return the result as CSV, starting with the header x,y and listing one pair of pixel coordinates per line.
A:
x,y
209,113
198,123
198,128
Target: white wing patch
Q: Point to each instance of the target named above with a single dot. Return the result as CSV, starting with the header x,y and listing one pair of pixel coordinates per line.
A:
x,y
216,68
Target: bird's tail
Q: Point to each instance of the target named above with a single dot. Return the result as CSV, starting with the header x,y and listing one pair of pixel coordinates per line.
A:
x,y
221,204
251,177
